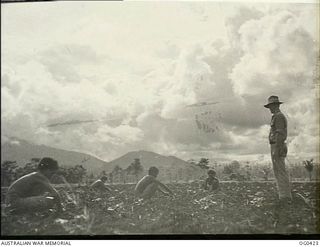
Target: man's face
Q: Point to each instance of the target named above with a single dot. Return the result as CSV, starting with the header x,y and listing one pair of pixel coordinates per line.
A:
x,y
154,174
273,108
50,173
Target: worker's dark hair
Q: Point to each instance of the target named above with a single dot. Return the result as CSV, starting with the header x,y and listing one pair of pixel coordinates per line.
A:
x,y
104,178
212,172
154,171
47,163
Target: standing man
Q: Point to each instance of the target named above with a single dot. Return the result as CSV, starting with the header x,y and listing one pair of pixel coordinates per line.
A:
x,y
277,140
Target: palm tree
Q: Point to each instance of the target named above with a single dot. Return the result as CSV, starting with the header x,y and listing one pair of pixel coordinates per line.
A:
x,y
308,164
204,163
135,168
116,172
8,172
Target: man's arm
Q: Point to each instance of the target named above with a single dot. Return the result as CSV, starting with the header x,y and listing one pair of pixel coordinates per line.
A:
x,y
49,188
281,129
56,196
164,187
108,188
205,184
163,192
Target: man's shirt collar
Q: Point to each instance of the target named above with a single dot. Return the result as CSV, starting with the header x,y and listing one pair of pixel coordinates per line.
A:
x,y
277,111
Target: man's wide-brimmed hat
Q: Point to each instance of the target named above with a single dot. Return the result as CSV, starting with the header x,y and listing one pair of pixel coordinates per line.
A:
x,y
273,100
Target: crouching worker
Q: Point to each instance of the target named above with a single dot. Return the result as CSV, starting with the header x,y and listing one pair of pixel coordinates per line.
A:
x,y
33,192
212,182
99,185
149,185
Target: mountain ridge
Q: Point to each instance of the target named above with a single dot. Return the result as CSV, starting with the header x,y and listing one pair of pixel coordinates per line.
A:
x,y
22,151
168,165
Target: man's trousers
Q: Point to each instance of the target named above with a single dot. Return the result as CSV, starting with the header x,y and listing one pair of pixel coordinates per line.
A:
x,y
280,173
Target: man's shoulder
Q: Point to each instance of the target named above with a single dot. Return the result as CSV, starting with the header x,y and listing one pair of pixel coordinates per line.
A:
x,y
279,115
32,176
26,180
147,179
97,182
40,176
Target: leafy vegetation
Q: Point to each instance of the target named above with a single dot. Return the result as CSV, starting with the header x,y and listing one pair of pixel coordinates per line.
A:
x,y
10,171
234,170
238,208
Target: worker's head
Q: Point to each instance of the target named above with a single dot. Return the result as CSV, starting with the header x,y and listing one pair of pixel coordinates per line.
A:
x,y
48,166
211,173
104,178
153,171
273,103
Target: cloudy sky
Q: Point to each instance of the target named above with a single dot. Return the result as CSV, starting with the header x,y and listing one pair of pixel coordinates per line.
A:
x,y
107,78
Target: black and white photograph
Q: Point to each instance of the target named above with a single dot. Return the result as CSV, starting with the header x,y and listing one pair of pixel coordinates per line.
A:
x,y
159,118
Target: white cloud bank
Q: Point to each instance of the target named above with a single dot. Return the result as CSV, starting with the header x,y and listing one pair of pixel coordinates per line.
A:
x,y
133,69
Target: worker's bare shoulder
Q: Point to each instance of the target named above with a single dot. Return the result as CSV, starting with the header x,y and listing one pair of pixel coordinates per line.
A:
x,y
38,177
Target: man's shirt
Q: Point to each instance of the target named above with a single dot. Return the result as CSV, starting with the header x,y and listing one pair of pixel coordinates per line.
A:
x,y
212,180
278,130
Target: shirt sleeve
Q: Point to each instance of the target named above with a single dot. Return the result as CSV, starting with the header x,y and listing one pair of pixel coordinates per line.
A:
x,y
280,123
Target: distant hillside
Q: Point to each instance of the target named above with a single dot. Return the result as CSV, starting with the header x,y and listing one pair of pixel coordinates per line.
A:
x,y
22,151
166,164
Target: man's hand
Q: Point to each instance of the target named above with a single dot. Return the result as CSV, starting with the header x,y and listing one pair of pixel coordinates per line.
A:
x,y
60,209
169,194
283,150
55,213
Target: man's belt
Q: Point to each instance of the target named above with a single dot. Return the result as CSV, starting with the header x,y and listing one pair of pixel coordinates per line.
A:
x,y
272,142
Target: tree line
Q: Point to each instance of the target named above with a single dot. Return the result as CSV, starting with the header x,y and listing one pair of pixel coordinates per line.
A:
x,y
10,171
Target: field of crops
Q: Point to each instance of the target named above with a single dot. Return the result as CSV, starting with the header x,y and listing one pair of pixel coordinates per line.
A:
x,y
238,208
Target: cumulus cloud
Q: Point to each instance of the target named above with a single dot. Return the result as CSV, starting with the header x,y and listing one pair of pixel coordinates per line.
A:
x,y
279,58
128,84
65,63
270,44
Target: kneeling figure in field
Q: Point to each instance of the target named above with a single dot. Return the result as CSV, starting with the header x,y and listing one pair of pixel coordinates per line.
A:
x,y
149,185
33,192
212,182
99,185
